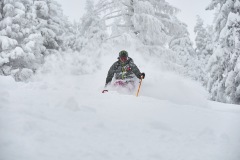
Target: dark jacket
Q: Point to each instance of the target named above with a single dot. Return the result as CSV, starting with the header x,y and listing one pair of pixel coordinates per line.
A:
x,y
123,71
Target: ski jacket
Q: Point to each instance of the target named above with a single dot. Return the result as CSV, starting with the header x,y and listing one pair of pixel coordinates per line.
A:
x,y
123,71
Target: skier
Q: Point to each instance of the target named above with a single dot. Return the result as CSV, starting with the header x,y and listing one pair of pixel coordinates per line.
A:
x,y
125,71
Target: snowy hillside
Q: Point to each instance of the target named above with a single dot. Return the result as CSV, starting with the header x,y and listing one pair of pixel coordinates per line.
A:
x,y
62,116
53,71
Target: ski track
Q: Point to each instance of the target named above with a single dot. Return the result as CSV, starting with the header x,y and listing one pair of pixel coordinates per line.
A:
x,y
71,119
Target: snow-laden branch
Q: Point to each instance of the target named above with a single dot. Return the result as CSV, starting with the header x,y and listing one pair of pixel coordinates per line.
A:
x,y
104,7
126,4
119,15
112,37
111,13
119,25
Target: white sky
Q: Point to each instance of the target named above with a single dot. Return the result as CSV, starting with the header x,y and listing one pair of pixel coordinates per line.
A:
x,y
189,9
74,9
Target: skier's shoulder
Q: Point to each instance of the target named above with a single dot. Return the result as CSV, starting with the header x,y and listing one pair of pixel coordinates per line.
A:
x,y
116,64
130,60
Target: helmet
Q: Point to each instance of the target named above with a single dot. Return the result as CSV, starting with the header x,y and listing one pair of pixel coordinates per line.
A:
x,y
123,53
123,56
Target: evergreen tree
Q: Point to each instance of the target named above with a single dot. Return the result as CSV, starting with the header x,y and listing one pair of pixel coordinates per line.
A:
x,y
29,30
52,23
204,47
185,56
223,66
201,33
92,30
203,39
12,35
152,21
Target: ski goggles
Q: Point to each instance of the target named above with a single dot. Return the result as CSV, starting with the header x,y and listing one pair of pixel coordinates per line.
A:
x,y
123,58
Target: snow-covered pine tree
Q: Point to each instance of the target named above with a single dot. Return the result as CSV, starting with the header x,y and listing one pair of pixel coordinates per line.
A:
x,y
208,51
11,35
92,30
70,36
203,40
204,47
52,23
223,66
152,21
185,56
201,34
30,29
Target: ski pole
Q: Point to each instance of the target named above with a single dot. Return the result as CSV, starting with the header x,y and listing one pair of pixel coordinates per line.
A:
x,y
139,86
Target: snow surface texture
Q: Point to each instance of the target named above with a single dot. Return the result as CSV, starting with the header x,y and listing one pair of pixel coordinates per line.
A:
x,y
64,115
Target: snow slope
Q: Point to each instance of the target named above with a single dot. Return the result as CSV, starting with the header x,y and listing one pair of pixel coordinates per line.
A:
x,y
66,117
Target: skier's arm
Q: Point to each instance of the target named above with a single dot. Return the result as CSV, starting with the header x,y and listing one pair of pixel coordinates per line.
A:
x,y
110,74
135,70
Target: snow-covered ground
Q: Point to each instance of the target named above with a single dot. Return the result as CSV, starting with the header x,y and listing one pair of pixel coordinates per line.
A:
x,y
66,117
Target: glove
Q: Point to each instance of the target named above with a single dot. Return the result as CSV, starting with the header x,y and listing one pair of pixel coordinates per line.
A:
x,y
142,75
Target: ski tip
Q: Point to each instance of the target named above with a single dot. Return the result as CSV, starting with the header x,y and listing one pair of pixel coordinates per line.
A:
x,y
105,91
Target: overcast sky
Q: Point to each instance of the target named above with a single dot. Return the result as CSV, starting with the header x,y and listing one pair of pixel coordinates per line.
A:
x,y
189,9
